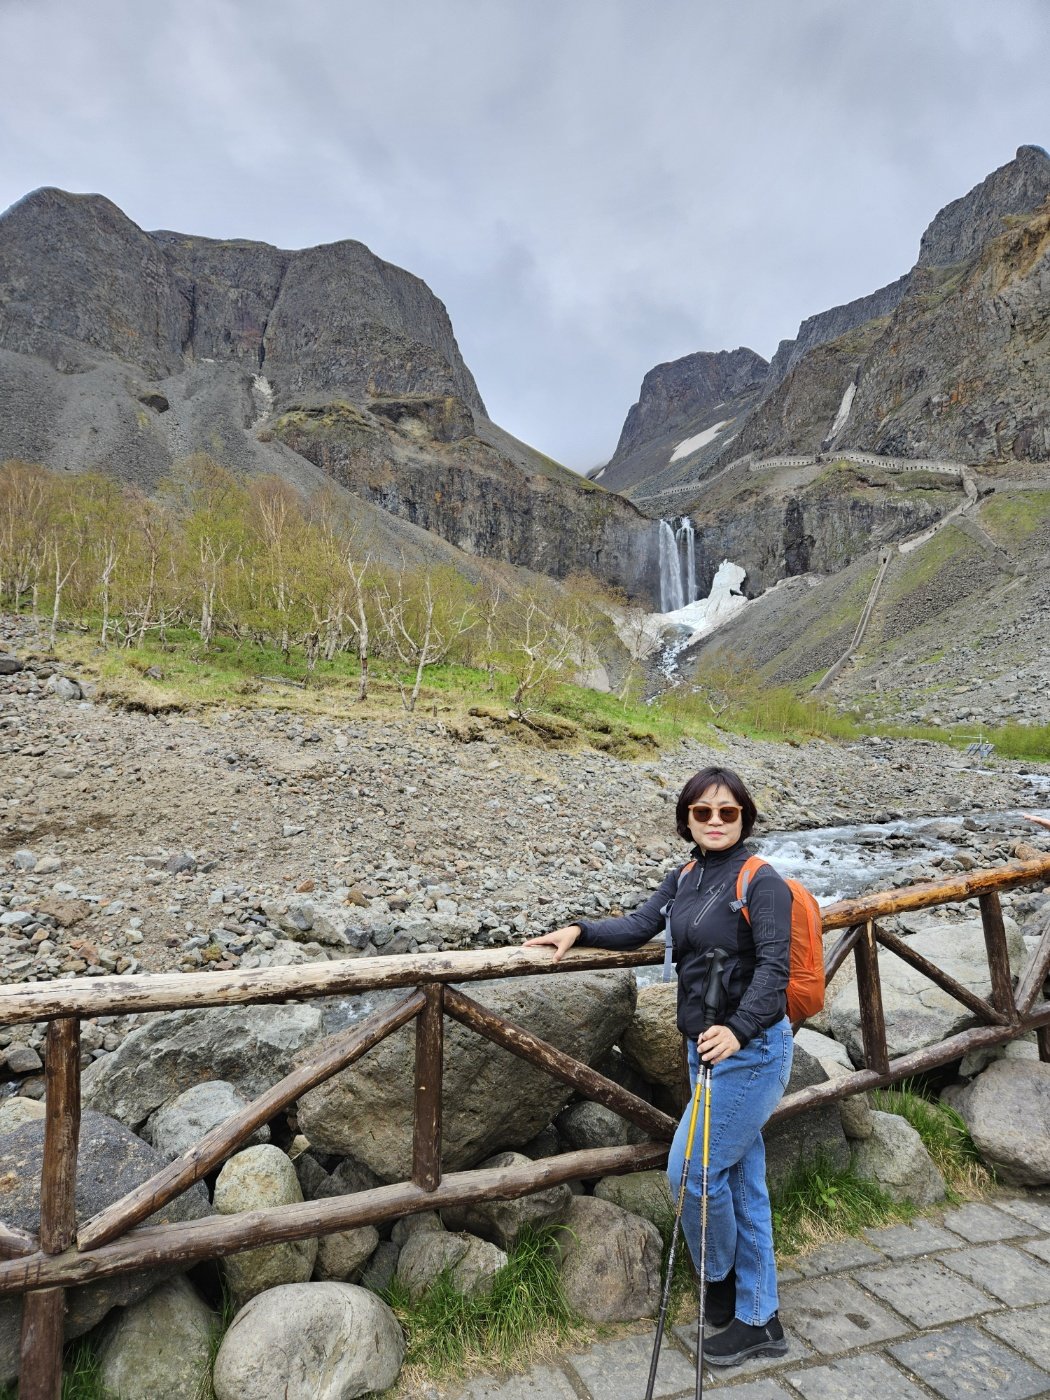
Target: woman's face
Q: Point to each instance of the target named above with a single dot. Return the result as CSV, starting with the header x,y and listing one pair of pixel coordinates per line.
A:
x,y
715,834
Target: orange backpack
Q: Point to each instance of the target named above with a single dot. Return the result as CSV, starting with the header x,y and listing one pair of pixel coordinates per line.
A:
x,y
805,988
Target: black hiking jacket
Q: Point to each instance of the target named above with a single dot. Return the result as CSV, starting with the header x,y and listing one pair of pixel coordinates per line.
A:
x,y
755,976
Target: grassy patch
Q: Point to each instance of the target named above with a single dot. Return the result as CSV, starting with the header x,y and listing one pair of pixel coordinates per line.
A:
x,y
524,1319
1010,517
81,1376
944,1135
819,1203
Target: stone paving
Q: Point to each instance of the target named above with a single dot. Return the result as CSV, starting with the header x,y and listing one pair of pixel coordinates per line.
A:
x,y
954,1305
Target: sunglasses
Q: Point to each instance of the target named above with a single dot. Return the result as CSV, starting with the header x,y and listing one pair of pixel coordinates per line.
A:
x,y
702,813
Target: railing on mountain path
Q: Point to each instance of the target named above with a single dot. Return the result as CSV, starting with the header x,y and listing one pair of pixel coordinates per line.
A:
x,y
65,1254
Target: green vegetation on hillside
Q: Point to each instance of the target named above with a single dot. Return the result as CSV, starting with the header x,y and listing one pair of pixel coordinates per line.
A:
x,y
1011,517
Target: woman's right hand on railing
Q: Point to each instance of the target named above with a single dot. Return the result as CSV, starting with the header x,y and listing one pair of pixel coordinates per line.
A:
x,y
561,940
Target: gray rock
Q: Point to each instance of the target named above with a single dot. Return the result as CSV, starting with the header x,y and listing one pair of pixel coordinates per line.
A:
x,y
64,688
9,665
310,1341
159,1348
24,860
257,1178
249,1046
342,1254
652,1042
584,1125
895,1157
182,1122
407,1226
918,1013
425,1254
474,1273
610,1262
111,1162
1007,1110
378,1273
647,1194
366,1111
22,1059
16,1111
503,1221
815,1133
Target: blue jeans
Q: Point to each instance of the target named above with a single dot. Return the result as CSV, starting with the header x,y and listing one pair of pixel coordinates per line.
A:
x,y
745,1090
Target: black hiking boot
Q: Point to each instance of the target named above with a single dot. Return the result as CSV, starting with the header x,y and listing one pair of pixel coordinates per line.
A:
x,y
740,1341
720,1301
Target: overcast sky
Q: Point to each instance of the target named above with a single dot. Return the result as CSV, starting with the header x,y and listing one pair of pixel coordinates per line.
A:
x,y
590,186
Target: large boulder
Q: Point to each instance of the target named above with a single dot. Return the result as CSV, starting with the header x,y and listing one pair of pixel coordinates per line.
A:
x,y
652,1042
895,1158
834,1060
492,1099
647,1194
257,1178
159,1348
182,1122
310,1341
817,1133
249,1046
503,1221
111,1161
610,1262
917,1012
1007,1110
14,1112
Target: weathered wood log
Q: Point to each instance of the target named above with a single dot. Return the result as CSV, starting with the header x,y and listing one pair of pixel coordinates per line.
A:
x,y
841,952
1035,974
930,892
998,955
1042,1037
43,1329
426,1137
217,1144
557,1063
14,1243
869,994
917,1062
185,1241
944,980
111,996
58,1181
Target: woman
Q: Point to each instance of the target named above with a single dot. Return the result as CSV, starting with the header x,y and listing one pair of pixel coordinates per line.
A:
x,y
750,1048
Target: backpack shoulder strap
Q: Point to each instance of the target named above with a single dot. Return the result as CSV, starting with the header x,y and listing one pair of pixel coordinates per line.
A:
x,y
666,911
744,877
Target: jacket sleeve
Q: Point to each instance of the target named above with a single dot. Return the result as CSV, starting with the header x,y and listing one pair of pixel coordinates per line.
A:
x,y
633,929
762,1005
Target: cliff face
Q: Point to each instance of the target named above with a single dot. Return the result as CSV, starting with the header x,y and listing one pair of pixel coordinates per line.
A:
x,y
829,325
679,402
962,228
127,351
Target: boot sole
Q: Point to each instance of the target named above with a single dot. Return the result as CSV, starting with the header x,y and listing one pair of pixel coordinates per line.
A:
x,y
763,1349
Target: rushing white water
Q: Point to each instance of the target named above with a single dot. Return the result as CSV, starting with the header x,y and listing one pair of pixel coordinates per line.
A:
x,y
687,535
671,597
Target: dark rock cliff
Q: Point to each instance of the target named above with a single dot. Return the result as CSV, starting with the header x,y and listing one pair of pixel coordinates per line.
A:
x,y
963,227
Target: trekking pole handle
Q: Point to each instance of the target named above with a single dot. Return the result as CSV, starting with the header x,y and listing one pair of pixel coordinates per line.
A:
x,y
713,989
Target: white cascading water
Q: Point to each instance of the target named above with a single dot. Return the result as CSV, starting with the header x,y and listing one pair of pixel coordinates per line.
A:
x,y
688,537
671,596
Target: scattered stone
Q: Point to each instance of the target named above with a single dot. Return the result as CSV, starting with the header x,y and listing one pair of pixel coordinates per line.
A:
x,y
895,1157
24,860
610,1262
63,688
1007,1111
9,665
256,1178
159,1348
16,1111
21,1059
182,1122
503,1221
315,1341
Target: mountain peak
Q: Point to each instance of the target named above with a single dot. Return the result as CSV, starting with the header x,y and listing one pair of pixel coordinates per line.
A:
x,y
963,227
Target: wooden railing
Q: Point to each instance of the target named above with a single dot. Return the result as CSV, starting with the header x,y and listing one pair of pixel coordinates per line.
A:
x,y
115,1241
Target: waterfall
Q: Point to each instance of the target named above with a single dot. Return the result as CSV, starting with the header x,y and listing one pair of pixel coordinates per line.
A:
x,y
670,570
688,537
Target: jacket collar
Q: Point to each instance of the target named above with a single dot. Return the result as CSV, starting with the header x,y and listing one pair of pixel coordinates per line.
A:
x,y
710,858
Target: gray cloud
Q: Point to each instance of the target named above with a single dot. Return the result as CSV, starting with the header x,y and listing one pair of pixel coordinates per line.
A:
x,y
591,186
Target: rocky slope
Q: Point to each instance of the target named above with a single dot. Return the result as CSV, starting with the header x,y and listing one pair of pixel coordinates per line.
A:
x,y
128,351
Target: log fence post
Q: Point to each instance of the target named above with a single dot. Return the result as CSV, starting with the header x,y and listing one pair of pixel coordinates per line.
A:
x,y
44,1310
998,955
426,1138
869,994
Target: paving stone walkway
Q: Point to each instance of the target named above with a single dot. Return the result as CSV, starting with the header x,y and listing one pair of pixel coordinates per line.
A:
x,y
954,1305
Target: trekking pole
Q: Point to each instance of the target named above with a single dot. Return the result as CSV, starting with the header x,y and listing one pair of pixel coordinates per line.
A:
x,y
712,1000
717,959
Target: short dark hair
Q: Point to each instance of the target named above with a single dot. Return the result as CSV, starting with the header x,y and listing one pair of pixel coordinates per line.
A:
x,y
699,783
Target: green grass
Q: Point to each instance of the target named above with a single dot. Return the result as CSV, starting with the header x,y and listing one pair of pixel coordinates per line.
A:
x,y
819,1202
1010,517
524,1317
81,1376
944,1135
